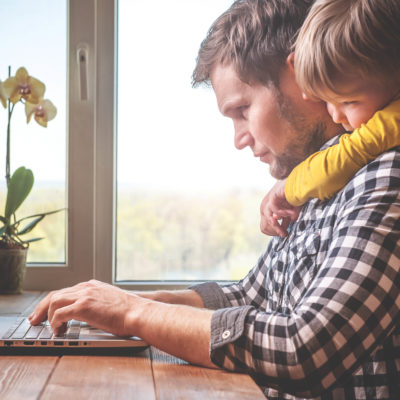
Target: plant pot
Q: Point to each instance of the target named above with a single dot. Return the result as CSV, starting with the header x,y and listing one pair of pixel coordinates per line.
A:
x,y
12,270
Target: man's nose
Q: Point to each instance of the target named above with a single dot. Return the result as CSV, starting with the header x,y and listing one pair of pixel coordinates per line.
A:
x,y
243,138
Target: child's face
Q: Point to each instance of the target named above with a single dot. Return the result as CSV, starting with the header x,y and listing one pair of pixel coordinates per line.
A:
x,y
361,98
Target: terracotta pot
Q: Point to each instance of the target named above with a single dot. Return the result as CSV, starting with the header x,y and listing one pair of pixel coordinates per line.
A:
x,y
12,270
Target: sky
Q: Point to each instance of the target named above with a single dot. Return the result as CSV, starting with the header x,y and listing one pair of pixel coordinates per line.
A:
x,y
174,134
170,135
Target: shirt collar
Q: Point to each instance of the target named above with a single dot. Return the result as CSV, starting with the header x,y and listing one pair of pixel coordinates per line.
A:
x,y
332,141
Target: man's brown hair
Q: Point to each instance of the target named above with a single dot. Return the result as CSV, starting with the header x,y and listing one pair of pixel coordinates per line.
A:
x,y
345,39
255,36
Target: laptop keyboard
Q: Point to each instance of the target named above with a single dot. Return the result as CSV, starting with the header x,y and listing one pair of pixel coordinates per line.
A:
x,y
22,329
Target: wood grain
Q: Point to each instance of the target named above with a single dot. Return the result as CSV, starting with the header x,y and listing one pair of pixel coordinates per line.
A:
x,y
24,377
19,304
99,377
175,379
150,375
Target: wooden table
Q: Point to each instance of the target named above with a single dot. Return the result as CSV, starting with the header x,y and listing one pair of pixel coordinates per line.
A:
x,y
150,374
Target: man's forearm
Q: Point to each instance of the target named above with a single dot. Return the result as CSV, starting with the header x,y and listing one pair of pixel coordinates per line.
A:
x,y
185,297
180,330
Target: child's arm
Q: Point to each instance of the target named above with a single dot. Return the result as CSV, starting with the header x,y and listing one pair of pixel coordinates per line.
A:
x,y
276,212
326,172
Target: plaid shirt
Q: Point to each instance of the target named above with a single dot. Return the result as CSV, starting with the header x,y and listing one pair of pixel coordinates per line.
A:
x,y
318,315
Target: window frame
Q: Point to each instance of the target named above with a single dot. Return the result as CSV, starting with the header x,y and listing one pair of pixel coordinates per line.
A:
x,y
91,155
91,158
90,152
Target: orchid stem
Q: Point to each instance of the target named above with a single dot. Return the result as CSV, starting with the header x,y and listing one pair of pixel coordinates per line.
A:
x,y
10,111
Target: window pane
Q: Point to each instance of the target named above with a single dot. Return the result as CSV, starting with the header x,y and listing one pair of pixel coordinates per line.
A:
x,y
34,35
188,201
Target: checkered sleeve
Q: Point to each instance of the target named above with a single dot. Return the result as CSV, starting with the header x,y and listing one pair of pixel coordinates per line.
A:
x,y
248,291
349,307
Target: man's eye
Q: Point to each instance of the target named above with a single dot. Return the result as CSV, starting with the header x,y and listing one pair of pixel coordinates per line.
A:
x,y
348,103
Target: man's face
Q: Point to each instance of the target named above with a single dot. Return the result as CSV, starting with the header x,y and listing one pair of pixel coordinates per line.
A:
x,y
279,126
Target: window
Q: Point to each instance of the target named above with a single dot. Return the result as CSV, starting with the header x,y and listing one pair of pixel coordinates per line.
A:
x,y
154,189
42,50
89,50
188,201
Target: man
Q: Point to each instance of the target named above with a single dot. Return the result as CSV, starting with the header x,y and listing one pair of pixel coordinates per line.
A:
x,y
318,314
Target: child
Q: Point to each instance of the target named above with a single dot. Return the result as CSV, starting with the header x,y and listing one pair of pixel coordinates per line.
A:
x,y
347,54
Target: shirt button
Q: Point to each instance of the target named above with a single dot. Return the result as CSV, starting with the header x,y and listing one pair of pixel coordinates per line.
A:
x,y
226,334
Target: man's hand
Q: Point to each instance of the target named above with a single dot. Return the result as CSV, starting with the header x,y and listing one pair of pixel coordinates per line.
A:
x,y
99,304
275,208
180,330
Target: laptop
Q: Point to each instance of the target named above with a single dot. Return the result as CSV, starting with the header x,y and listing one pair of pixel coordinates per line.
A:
x,y
17,332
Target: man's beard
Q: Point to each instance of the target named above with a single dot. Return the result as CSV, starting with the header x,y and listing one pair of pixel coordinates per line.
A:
x,y
309,138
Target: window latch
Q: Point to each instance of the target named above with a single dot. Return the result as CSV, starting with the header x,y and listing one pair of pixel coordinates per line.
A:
x,y
82,58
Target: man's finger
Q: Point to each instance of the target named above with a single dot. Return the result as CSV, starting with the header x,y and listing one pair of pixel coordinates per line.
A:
x,y
40,312
60,331
60,318
62,299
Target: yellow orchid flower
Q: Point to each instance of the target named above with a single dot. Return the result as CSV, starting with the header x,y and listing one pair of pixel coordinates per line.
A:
x,y
43,111
3,97
23,86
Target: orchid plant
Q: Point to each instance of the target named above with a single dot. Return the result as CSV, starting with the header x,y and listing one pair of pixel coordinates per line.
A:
x,y
29,91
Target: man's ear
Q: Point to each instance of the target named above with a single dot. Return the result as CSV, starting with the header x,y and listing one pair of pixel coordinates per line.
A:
x,y
290,61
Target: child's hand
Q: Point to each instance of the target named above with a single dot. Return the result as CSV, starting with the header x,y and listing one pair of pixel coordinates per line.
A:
x,y
275,208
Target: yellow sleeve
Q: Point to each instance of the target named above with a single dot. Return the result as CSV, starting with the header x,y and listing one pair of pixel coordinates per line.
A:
x,y
326,172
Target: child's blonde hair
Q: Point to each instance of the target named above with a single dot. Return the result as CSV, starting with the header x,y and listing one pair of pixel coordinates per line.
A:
x,y
347,38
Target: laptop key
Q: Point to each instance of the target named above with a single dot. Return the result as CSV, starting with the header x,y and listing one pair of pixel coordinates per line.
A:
x,y
73,332
46,333
34,332
62,336
21,330
11,330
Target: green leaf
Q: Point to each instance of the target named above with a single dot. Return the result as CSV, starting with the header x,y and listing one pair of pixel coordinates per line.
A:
x,y
2,230
38,217
32,240
18,190
31,225
40,214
